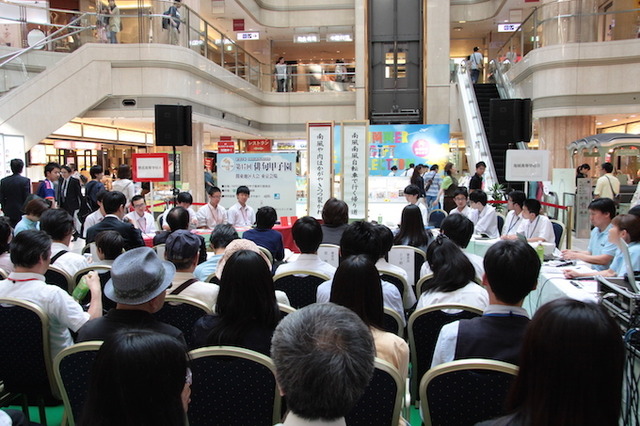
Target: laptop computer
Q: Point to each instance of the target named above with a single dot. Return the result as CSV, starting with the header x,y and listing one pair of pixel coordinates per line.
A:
x,y
628,282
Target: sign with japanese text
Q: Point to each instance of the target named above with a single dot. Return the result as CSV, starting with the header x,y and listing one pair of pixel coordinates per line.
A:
x,y
527,165
271,178
320,148
258,145
355,167
226,147
151,167
584,196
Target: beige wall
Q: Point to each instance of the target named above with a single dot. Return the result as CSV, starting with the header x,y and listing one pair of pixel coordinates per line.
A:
x,y
555,133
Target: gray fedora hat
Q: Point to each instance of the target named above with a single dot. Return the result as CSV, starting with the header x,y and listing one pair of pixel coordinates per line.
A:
x,y
138,276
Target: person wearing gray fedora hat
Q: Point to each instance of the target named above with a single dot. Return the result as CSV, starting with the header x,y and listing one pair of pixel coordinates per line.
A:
x,y
137,285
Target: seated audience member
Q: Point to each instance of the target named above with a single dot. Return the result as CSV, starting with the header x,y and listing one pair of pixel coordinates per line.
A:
x,y
30,252
461,198
511,272
412,194
600,251
178,218
219,239
213,214
485,217
307,233
182,250
96,216
241,214
362,238
30,220
335,215
356,286
109,245
571,369
624,227
535,227
6,234
59,225
140,217
247,312
515,202
138,378
184,199
137,285
385,237
411,231
453,278
324,358
458,229
114,207
263,234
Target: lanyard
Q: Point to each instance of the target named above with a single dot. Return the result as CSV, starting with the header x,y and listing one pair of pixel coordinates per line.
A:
x,y
513,223
534,227
214,213
142,227
243,212
23,281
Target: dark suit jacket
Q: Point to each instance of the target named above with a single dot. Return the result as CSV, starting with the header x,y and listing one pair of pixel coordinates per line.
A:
x,y
70,202
132,236
14,190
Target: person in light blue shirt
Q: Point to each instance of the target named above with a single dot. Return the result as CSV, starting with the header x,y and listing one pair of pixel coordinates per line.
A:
x,y
601,251
31,219
220,238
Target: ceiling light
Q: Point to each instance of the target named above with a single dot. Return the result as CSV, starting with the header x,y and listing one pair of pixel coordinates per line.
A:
x,y
614,120
599,123
462,22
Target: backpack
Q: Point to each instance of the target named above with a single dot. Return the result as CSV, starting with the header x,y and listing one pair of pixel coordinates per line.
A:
x,y
165,21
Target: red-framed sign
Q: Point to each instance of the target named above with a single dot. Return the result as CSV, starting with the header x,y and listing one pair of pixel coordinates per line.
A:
x,y
151,167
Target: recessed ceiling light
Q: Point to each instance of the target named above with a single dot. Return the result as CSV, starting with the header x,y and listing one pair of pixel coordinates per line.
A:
x,y
614,120
462,22
632,116
599,123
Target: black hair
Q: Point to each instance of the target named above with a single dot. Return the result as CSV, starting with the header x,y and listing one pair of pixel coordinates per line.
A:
x,y
394,167
184,197
17,165
124,171
583,166
28,247
412,190
335,212
357,286
100,195
136,198
222,235
506,260
360,238
458,228
434,167
5,233
110,244
212,190
478,197
532,205
112,200
178,218
57,223
94,171
481,164
36,207
385,240
517,197
307,233
604,205
412,232
266,217
49,167
243,190
634,211
607,167
461,191
452,270
415,177
67,168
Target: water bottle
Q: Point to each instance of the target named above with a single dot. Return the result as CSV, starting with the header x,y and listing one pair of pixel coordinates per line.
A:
x,y
81,290
540,251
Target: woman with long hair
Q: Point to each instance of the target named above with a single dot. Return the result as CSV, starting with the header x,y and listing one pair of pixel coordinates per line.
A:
x,y
412,232
571,368
418,180
246,313
139,377
448,187
453,277
356,285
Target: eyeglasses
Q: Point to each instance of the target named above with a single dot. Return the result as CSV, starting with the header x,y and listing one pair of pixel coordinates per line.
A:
x,y
189,377
139,205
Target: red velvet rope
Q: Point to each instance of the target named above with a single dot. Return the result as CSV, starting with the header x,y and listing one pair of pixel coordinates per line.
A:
x,y
541,202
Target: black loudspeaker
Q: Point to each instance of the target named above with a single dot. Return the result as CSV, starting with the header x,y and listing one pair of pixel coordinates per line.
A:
x,y
173,125
510,120
527,117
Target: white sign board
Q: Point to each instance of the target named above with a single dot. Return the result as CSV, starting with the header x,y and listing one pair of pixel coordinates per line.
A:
x,y
12,147
271,178
527,165
355,169
584,196
320,136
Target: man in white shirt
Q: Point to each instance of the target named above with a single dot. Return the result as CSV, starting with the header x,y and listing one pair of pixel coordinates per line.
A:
x,y
486,218
213,213
60,227
139,217
409,171
95,217
184,199
607,186
30,252
307,233
240,214
535,227
461,198
514,219
411,194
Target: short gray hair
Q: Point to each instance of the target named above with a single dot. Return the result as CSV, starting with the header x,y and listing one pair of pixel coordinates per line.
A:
x,y
324,357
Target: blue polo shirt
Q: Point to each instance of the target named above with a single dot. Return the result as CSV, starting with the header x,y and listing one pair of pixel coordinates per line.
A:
x,y
618,262
599,244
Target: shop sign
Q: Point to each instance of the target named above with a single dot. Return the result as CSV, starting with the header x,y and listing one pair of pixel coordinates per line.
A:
x,y
226,147
628,152
258,145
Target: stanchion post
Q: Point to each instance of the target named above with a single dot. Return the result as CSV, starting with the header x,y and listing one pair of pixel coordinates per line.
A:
x,y
569,225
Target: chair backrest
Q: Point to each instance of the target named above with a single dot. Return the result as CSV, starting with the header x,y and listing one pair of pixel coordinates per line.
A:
x,y
267,253
182,312
436,217
233,386
58,277
393,322
92,249
72,368
330,253
420,284
465,392
500,222
104,272
3,274
301,290
212,278
159,249
25,355
423,328
381,402
559,231
408,258
285,310
399,281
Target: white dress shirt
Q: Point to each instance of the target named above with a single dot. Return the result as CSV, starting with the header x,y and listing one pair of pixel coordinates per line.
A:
x,y
145,223
68,262
409,296
207,293
472,294
210,216
512,223
192,217
486,222
467,211
241,216
92,219
540,227
308,262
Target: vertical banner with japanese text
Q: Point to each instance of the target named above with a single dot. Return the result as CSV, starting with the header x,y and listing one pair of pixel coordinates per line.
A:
x,y
355,167
320,148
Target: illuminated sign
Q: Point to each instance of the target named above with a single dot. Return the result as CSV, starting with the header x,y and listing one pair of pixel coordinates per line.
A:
x,y
306,38
339,37
255,35
508,28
